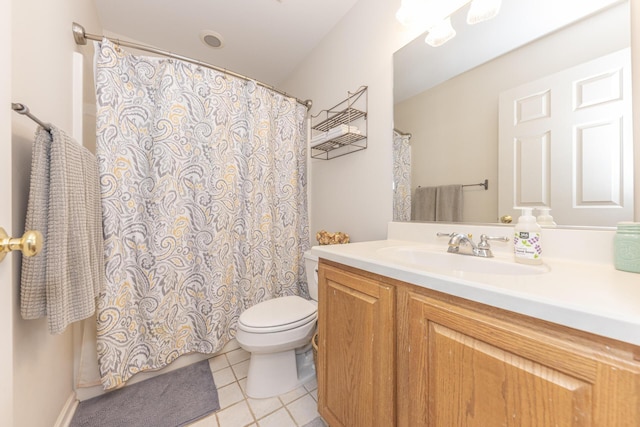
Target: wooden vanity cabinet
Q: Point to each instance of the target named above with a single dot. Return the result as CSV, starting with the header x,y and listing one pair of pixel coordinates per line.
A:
x,y
460,363
356,349
464,364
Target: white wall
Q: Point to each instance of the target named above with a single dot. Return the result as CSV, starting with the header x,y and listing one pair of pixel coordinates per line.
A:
x,y
353,193
42,47
454,125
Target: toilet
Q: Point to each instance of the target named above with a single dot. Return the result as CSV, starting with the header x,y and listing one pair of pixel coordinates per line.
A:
x,y
278,333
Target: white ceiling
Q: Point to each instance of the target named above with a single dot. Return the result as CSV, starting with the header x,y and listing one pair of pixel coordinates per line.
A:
x,y
263,39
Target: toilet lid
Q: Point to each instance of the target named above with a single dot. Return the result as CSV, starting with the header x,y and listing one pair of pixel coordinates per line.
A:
x,y
278,314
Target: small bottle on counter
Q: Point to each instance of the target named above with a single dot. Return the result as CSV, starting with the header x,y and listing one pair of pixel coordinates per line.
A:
x,y
527,245
544,218
626,247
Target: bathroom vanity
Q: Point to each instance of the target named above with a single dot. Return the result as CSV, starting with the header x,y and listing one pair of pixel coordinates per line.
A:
x,y
407,343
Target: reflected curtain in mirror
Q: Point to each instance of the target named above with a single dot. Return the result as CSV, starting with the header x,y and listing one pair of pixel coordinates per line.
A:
x,y
401,176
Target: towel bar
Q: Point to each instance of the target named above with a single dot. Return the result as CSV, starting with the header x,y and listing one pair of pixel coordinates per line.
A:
x,y
24,110
484,184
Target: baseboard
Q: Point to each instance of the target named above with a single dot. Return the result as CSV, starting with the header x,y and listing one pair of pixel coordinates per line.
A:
x,y
69,408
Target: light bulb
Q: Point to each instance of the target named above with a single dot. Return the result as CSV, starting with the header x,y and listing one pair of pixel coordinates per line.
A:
x,y
482,10
440,33
403,16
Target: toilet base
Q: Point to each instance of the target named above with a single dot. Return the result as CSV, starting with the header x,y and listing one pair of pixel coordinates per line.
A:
x,y
274,374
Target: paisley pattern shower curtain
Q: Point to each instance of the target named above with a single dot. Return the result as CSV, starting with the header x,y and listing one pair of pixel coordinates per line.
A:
x,y
401,177
203,181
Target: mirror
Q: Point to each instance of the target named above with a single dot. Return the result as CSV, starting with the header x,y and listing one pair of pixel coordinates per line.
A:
x,y
447,97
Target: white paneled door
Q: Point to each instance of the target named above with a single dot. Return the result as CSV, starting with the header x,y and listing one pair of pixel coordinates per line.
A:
x,y
565,142
6,267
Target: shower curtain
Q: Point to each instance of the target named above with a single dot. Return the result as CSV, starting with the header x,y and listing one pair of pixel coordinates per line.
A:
x,y
203,180
401,177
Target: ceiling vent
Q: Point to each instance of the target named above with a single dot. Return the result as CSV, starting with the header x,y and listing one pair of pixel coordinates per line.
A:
x,y
211,39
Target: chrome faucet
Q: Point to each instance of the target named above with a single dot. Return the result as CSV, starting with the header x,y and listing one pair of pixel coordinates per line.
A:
x,y
458,241
463,244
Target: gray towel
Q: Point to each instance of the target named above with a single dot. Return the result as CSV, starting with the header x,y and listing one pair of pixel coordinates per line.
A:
x,y
449,203
63,281
423,204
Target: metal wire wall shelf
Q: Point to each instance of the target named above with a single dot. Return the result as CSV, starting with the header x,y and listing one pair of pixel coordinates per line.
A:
x,y
342,129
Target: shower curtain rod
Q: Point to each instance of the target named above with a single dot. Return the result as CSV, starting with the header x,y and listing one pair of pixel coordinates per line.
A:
x,y
81,37
24,110
399,132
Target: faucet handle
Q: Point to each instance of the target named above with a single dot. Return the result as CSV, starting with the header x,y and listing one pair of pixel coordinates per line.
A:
x,y
484,240
439,234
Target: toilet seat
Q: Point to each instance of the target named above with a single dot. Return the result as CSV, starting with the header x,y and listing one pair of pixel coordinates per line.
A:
x,y
278,314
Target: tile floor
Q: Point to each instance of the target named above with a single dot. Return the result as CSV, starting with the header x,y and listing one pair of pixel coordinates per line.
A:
x,y
293,409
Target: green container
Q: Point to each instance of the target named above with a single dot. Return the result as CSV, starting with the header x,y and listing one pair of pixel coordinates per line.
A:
x,y
626,249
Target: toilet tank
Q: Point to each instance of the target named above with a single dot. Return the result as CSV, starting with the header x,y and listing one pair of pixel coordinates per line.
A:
x,y
311,265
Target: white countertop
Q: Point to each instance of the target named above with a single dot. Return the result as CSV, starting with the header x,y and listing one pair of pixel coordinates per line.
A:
x,y
589,296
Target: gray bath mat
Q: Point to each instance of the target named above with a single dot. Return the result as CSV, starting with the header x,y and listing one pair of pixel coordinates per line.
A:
x,y
317,422
173,399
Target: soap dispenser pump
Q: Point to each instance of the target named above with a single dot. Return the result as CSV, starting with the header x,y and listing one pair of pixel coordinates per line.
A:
x,y
544,218
527,245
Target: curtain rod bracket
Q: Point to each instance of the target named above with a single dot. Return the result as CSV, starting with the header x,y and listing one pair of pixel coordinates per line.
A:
x,y
78,33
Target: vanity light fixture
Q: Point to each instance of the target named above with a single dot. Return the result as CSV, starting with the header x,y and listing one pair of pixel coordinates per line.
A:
x,y
482,10
440,33
435,16
413,12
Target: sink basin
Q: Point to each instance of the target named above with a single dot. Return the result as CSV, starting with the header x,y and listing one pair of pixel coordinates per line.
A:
x,y
437,261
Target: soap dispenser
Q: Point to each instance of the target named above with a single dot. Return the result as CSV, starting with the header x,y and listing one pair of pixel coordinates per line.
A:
x,y
527,246
544,218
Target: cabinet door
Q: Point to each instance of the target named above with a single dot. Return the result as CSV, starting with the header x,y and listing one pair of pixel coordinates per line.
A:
x,y
468,368
356,329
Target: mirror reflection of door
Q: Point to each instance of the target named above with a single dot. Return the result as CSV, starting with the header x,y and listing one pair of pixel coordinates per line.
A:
x,y
566,142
